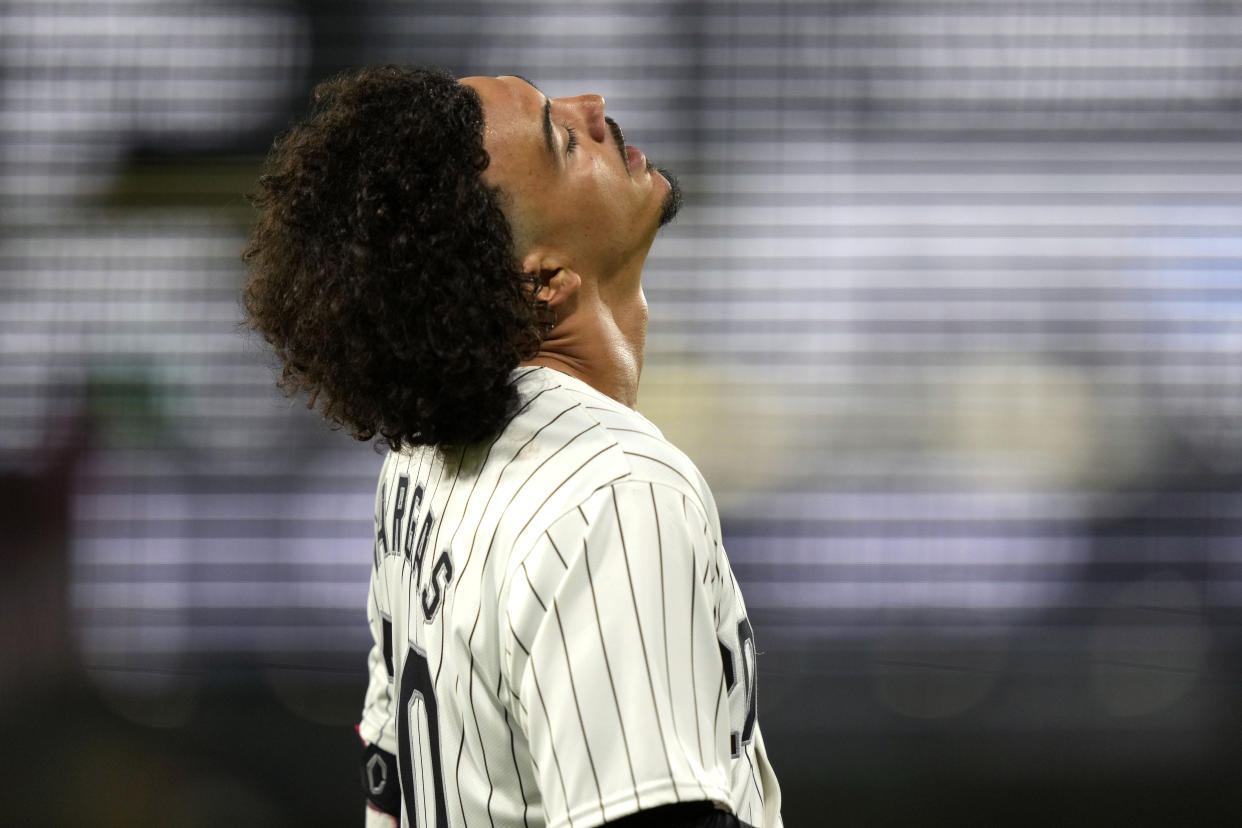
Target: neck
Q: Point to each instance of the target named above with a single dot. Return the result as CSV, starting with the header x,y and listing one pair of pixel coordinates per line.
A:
x,y
599,341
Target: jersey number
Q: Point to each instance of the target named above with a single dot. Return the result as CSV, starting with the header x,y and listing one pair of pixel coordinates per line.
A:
x,y
418,739
746,644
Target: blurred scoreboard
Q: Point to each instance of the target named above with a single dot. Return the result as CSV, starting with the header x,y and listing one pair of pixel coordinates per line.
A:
x,y
950,321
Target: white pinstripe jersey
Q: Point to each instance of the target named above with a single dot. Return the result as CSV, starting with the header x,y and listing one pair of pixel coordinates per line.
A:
x,y
559,639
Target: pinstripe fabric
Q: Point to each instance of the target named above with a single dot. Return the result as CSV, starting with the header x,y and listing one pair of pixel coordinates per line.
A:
x,y
585,639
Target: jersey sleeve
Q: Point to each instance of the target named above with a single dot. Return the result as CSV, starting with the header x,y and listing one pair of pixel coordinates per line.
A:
x,y
611,658
379,721
378,725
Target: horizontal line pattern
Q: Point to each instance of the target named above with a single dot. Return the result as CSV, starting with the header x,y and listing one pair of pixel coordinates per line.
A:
x,y
950,320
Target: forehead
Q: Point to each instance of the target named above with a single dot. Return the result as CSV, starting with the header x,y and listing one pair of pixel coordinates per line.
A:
x,y
513,122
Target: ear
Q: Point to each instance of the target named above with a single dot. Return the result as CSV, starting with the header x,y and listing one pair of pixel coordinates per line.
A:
x,y
557,282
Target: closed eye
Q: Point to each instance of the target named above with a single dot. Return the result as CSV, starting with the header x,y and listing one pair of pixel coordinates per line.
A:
x,y
573,140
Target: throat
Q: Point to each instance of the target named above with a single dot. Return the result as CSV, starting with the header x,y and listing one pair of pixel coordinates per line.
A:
x,y
606,360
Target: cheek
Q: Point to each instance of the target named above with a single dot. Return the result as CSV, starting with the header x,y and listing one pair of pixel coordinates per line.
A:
x,y
618,206
601,207
597,210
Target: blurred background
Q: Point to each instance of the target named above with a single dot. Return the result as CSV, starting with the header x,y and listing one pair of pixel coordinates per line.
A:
x,y
951,322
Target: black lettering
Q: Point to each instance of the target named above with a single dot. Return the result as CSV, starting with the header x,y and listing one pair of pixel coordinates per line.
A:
x,y
746,654
420,551
746,642
434,591
416,503
416,681
381,532
387,625
398,511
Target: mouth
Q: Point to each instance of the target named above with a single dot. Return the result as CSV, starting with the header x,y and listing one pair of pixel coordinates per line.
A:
x,y
635,161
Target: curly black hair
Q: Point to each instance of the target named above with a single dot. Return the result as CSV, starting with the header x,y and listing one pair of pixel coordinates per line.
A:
x,y
382,270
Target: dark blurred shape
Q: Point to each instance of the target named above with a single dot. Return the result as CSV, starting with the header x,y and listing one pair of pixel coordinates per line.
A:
x,y
37,648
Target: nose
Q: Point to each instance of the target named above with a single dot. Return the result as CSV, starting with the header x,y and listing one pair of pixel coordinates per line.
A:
x,y
591,108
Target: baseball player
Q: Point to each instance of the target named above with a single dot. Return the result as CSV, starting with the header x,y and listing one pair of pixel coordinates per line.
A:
x,y
558,636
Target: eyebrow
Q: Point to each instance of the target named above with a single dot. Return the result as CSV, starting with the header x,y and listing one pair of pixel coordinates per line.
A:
x,y
547,128
549,139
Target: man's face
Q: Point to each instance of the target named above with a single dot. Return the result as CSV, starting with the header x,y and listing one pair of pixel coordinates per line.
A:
x,y
575,187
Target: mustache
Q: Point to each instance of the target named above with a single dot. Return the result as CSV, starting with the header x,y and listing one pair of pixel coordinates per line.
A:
x,y
619,137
